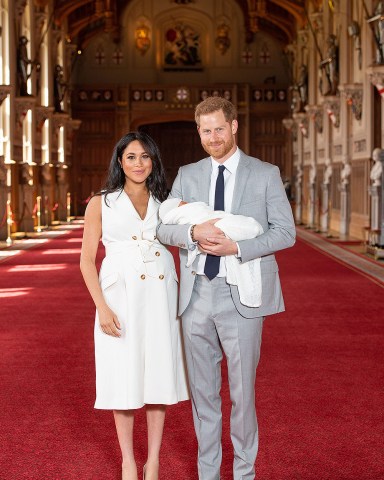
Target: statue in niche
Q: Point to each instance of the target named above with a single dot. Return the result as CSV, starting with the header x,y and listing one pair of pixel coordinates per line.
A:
x,y
46,174
61,176
24,66
345,172
300,91
378,31
26,174
330,67
377,168
327,172
59,87
302,86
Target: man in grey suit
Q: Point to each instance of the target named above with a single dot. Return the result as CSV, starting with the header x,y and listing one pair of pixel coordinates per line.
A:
x,y
213,318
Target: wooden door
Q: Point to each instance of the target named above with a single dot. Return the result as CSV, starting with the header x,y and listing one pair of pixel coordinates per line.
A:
x,y
179,144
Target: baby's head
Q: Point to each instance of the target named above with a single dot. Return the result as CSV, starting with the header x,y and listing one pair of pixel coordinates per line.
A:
x,y
182,203
169,205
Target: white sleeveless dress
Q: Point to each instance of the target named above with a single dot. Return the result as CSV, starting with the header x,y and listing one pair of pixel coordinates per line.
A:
x,y
139,282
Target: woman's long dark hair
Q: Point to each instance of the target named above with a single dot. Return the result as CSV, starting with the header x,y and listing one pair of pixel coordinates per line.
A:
x,y
155,182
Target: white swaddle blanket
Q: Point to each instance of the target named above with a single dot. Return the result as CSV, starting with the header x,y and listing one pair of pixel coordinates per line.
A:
x,y
247,276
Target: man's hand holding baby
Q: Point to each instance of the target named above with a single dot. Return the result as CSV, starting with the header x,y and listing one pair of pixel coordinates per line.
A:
x,y
212,240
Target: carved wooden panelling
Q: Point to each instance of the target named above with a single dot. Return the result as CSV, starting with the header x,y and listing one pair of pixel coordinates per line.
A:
x,y
359,182
267,142
336,204
179,144
93,153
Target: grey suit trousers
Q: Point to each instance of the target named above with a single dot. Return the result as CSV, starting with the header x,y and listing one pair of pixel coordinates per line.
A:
x,y
211,325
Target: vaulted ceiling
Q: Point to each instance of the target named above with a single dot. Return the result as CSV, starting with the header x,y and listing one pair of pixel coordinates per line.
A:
x,y
86,18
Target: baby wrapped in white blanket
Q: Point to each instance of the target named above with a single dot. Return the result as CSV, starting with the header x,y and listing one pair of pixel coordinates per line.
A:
x,y
247,276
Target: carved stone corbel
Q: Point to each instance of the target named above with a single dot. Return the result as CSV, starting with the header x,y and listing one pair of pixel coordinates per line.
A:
x,y
301,120
317,21
288,123
20,7
40,19
23,104
5,90
376,76
59,120
332,107
291,126
315,113
41,114
303,38
354,95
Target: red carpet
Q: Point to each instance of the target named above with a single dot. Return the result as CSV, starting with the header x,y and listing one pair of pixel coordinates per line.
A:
x,y
319,388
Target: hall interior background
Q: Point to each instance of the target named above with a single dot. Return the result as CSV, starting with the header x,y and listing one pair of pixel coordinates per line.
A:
x,y
77,75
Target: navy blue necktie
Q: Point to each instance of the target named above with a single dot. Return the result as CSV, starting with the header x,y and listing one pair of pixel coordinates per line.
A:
x,y
212,263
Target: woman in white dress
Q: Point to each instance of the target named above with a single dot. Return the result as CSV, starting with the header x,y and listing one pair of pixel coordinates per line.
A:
x,y
138,349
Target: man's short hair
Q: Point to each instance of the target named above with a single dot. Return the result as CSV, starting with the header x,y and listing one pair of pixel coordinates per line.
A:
x,y
214,104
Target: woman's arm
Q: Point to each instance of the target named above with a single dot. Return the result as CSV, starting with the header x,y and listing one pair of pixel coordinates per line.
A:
x,y
91,238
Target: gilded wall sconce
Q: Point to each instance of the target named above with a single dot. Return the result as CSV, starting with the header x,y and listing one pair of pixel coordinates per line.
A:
x,y
142,40
222,41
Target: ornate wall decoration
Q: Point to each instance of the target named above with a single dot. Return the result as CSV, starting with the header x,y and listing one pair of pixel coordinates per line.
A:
x,y
246,56
100,55
20,6
182,48
332,107
315,113
222,41
301,119
142,38
23,104
41,114
4,91
117,56
264,55
376,75
354,96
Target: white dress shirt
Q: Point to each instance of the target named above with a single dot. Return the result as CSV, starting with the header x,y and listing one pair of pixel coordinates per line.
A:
x,y
229,185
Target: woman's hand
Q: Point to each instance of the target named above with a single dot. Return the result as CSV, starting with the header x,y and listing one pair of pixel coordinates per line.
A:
x,y
108,321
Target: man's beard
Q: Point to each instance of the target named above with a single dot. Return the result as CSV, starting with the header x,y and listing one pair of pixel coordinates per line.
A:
x,y
221,149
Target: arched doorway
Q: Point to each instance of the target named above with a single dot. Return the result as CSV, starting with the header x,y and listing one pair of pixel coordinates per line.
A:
x,y
179,144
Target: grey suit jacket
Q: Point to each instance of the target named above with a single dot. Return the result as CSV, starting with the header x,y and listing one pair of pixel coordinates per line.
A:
x,y
258,193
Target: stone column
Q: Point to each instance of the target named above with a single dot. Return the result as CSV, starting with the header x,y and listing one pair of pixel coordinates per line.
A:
x,y
312,206
298,194
375,194
345,196
26,198
344,209
325,212
326,207
3,200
